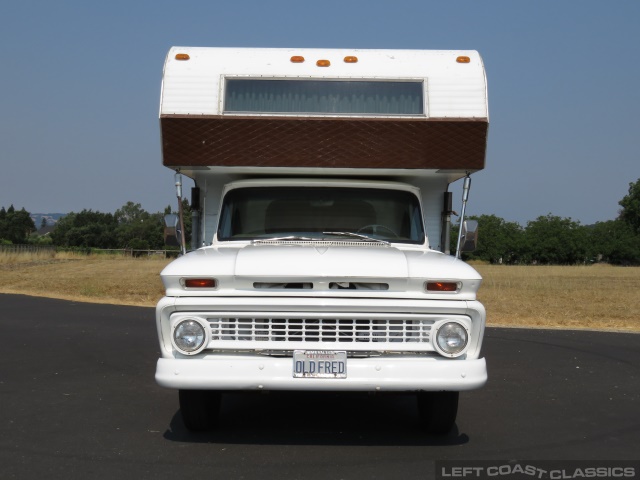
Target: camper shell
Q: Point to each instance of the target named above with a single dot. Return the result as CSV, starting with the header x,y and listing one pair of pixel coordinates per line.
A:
x,y
320,224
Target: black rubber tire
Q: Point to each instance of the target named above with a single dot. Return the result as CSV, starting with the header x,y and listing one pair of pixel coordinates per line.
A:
x,y
438,411
199,408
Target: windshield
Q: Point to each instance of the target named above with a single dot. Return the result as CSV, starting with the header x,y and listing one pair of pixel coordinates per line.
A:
x,y
321,213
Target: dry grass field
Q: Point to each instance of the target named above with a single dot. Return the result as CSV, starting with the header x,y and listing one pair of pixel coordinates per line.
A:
x,y
598,297
111,279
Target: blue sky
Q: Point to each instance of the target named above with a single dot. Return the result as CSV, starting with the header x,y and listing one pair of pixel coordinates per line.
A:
x,y
80,85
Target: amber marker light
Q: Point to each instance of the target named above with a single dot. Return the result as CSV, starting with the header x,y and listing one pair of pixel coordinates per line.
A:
x,y
323,63
182,56
463,59
200,283
297,59
350,59
441,286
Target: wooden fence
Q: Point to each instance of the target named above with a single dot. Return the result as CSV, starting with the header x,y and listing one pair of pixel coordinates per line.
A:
x,y
27,248
127,252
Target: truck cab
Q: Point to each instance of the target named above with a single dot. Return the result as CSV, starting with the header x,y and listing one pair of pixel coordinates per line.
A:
x,y
319,259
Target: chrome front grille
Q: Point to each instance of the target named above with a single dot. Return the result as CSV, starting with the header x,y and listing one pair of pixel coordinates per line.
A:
x,y
325,330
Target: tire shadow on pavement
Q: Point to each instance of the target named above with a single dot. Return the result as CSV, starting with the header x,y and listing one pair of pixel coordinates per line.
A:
x,y
316,418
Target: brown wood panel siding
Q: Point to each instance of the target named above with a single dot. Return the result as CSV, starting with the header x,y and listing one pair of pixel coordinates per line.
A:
x,y
344,143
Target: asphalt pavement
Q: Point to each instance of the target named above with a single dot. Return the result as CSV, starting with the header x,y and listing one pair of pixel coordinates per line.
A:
x,y
78,400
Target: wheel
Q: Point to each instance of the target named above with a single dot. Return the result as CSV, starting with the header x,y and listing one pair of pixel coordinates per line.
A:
x,y
438,411
376,229
199,409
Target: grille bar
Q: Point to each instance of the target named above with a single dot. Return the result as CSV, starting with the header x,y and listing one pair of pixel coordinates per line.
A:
x,y
331,330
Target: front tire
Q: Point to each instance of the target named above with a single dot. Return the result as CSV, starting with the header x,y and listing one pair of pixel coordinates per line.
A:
x,y
438,411
199,409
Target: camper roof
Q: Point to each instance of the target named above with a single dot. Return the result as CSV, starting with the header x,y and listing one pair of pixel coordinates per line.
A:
x,y
302,110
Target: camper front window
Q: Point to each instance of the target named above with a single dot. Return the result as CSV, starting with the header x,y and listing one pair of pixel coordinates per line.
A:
x,y
324,97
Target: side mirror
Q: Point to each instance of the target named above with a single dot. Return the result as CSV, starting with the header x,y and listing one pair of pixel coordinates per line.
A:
x,y
172,234
469,240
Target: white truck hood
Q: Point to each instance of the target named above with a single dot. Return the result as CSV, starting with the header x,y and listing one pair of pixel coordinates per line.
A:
x,y
237,268
321,261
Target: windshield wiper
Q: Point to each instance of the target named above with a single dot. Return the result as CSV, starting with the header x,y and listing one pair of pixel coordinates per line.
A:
x,y
290,238
366,238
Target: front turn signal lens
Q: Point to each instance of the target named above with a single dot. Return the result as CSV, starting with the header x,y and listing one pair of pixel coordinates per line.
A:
x,y
200,283
441,286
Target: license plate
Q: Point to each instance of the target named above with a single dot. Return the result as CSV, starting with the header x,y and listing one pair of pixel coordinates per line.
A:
x,y
319,364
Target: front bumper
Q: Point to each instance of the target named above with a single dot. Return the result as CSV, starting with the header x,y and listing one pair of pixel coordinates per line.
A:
x,y
238,372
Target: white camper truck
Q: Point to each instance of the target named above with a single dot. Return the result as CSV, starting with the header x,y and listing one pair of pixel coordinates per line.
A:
x,y
321,222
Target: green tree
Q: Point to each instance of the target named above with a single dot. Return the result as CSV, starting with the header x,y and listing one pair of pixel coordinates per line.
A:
x,y
137,229
630,204
3,227
499,241
86,229
15,225
130,213
554,240
129,227
186,211
35,239
614,242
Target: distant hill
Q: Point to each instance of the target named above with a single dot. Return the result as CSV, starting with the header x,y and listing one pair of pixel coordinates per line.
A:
x,y
51,218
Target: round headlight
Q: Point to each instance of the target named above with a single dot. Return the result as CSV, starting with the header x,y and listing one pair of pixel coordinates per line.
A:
x,y
189,336
451,339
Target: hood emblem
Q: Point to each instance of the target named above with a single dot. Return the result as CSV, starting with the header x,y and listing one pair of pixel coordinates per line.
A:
x,y
321,250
